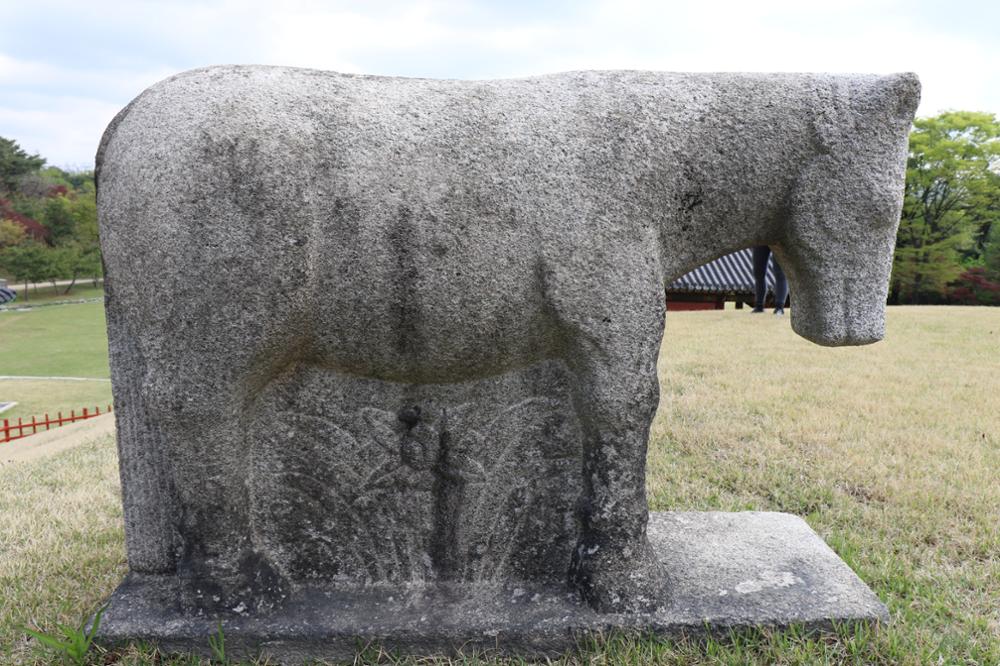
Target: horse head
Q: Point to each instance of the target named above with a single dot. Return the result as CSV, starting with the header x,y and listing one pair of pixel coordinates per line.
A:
x,y
837,241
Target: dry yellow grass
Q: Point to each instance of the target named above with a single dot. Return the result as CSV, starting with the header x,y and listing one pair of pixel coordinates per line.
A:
x,y
890,451
56,440
36,397
61,542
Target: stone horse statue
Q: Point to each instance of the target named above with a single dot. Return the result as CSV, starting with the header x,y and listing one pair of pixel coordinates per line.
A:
x,y
265,226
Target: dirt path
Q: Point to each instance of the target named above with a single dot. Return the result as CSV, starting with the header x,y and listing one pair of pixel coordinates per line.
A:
x,y
56,440
48,283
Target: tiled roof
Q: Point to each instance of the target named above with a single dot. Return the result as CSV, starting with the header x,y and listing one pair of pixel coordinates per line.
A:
x,y
729,273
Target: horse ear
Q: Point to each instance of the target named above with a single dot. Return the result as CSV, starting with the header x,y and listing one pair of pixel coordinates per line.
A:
x,y
902,95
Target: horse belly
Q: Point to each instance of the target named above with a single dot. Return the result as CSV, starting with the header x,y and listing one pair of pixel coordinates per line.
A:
x,y
438,316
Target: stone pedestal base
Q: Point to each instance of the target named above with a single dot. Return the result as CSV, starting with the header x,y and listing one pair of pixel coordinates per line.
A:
x,y
727,570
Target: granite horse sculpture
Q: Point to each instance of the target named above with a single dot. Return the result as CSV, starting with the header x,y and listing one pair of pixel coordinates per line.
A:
x,y
433,232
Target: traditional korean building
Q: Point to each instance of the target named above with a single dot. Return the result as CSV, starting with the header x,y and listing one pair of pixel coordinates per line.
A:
x,y
6,294
708,287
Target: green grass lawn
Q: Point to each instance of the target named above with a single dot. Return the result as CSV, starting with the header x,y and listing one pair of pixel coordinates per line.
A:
x,y
889,451
59,340
53,341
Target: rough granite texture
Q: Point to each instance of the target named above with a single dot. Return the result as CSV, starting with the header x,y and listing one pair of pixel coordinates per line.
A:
x,y
731,570
377,333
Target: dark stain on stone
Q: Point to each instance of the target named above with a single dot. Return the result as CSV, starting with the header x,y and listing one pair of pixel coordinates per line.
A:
x,y
691,200
448,492
406,308
410,416
346,218
265,587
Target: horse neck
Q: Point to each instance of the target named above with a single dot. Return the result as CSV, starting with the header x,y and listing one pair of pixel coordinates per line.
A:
x,y
681,253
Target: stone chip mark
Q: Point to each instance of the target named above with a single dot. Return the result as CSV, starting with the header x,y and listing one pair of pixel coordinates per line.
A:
x,y
768,580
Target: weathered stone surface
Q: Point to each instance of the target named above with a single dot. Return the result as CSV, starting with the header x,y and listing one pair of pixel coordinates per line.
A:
x,y
389,333
729,570
482,489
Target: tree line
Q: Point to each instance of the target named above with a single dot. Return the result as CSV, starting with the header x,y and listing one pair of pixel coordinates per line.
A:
x,y
947,248
948,245
48,221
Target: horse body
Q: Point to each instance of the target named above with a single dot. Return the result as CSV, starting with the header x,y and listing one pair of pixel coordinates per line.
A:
x,y
433,232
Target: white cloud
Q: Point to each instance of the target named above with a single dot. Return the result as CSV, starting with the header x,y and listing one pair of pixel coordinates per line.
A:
x,y
143,41
16,73
59,112
64,130
780,35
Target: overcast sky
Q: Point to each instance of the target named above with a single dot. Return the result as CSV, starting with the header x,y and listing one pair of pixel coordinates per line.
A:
x,y
66,67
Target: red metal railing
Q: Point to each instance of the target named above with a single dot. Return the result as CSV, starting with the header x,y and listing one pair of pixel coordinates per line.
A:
x,y
25,429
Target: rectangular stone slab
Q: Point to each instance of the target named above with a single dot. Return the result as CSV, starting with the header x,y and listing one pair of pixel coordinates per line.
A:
x,y
730,570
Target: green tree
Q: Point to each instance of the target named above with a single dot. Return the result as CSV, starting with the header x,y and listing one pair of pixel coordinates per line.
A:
x,y
85,214
11,233
76,260
28,262
58,216
952,189
62,202
15,163
80,248
991,253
